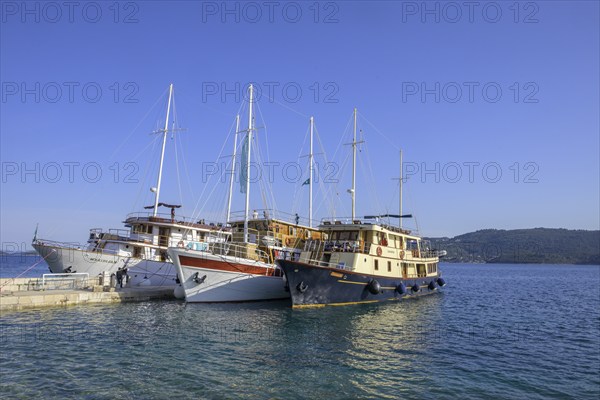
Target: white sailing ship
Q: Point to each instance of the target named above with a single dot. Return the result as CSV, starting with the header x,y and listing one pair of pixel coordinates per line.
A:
x,y
140,250
244,269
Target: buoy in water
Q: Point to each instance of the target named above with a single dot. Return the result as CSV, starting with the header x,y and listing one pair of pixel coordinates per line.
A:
x,y
374,287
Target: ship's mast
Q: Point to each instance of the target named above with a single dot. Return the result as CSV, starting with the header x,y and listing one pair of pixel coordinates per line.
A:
x,y
310,177
162,153
249,144
400,194
237,129
353,190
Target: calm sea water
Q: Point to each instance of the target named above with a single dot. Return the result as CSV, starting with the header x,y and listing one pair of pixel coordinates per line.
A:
x,y
23,265
496,331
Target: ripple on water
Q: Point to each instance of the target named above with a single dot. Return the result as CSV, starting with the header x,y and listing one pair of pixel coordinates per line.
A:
x,y
495,331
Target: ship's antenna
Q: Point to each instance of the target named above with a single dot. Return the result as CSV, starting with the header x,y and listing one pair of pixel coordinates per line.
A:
x,y
162,154
237,129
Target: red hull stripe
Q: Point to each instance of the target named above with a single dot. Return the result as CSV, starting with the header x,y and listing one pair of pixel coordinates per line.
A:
x,y
224,266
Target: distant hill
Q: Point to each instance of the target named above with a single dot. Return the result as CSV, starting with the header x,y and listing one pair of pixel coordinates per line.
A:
x,y
522,246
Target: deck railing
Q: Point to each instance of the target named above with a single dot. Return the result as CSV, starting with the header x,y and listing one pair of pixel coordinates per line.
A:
x,y
268,213
167,218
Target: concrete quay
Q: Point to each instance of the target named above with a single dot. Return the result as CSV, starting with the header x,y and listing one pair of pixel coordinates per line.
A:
x,y
28,293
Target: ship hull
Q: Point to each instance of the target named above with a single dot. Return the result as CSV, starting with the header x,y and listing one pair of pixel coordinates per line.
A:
x,y
139,272
313,286
210,278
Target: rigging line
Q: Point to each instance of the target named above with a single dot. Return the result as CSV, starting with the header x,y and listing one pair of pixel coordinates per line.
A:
x,y
264,128
342,137
196,212
332,192
297,188
336,199
177,170
185,166
371,181
175,139
324,192
92,194
147,172
138,125
27,270
269,187
285,106
263,186
370,184
396,147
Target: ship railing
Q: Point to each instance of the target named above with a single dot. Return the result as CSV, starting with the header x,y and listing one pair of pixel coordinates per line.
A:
x,y
239,251
76,280
423,253
344,246
113,233
327,264
64,245
269,213
168,219
349,221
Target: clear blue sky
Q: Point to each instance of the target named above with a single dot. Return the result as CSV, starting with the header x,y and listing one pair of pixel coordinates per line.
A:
x,y
423,79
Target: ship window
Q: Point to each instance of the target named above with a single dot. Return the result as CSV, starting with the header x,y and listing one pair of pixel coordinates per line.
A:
x,y
389,266
376,261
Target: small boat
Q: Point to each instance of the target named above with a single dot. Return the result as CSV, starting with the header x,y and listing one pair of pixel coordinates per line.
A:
x,y
141,249
244,269
362,261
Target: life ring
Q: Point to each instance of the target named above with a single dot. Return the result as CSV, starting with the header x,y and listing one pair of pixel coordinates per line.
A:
x,y
180,244
401,254
379,251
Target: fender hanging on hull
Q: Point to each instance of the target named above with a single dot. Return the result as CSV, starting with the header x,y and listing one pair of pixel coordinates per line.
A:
x,y
312,285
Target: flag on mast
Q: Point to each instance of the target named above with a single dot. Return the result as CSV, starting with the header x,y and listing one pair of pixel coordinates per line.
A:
x,y
306,182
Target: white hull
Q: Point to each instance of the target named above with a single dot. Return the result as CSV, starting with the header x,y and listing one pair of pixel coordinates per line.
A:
x,y
140,272
218,285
